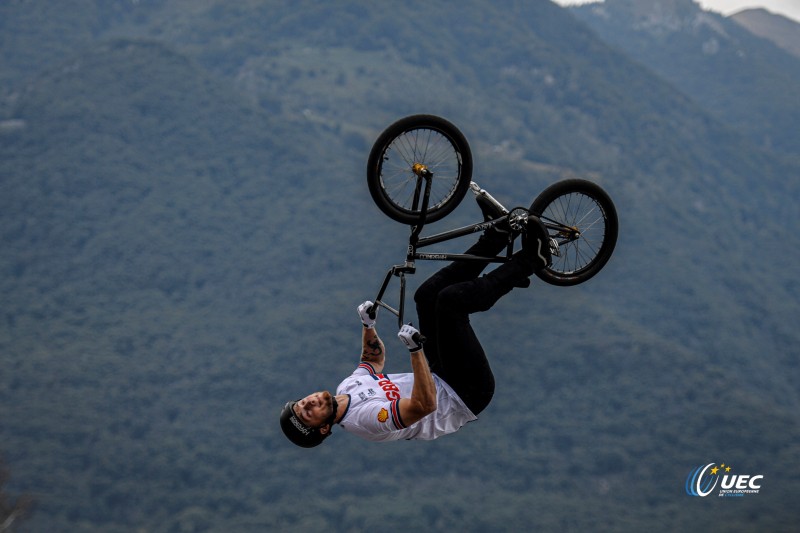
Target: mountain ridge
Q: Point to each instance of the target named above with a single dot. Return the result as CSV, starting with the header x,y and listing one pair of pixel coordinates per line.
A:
x,y
781,30
743,80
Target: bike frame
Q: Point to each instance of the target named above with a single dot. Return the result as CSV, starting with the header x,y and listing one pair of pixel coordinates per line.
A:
x,y
415,242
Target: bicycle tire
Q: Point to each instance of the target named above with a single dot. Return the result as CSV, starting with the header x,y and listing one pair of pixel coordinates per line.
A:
x,y
580,215
426,140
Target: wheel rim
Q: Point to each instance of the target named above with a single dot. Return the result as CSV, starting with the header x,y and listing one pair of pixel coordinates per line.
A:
x,y
405,154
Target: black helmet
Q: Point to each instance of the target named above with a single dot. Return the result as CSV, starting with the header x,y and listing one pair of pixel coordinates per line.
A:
x,y
301,434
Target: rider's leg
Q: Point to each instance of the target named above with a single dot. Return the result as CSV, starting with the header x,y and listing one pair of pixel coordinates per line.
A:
x,y
444,303
490,244
447,298
462,363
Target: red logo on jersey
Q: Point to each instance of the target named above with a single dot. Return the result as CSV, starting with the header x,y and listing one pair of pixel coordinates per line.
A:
x,y
392,391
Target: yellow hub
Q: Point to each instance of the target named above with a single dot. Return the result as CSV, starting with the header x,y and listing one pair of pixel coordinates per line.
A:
x,y
419,169
571,232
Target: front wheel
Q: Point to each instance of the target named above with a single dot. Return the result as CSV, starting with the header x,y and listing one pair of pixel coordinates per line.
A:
x,y
582,219
404,153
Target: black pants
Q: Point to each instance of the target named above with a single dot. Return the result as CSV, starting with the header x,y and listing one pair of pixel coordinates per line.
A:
x,y
444,303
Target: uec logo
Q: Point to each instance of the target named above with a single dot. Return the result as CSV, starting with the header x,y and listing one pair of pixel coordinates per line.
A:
x,y
703,480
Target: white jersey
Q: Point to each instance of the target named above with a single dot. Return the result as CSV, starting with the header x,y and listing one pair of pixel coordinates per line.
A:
x,y
373,411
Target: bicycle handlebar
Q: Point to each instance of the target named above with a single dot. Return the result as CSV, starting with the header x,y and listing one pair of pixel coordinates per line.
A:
x,y
419,338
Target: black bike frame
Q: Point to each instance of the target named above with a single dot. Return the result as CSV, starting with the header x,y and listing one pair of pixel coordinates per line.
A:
x,y
415,242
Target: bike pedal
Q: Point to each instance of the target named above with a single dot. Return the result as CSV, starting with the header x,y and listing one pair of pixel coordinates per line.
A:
x,y
555,250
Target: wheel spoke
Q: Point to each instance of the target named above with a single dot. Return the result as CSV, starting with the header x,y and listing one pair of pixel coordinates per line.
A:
x,y
575,212
424,146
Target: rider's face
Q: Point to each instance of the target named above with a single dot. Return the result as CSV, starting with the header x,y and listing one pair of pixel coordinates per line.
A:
x,y
314,409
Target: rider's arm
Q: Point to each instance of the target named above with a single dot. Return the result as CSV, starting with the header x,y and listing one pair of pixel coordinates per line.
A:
x,y
423,394
371,345
372,350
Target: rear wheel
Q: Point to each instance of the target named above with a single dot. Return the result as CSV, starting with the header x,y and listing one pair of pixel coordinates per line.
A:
x,y
582,219
402,155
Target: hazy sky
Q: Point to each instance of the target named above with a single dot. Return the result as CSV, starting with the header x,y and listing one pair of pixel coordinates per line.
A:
x,y
787,8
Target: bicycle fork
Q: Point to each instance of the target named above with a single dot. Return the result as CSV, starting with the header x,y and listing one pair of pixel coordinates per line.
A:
x,y
409,267
399,271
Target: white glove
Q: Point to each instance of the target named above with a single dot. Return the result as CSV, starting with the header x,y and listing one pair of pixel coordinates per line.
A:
x,y
363,313
410,337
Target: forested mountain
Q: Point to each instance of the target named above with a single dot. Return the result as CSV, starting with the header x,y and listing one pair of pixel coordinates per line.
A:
x,y
186,233
743,80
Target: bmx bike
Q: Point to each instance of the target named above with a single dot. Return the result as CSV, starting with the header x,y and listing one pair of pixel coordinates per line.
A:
x,y
420,169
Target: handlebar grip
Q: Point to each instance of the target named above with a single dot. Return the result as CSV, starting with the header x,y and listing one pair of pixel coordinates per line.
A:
x,y
419,338
372,311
